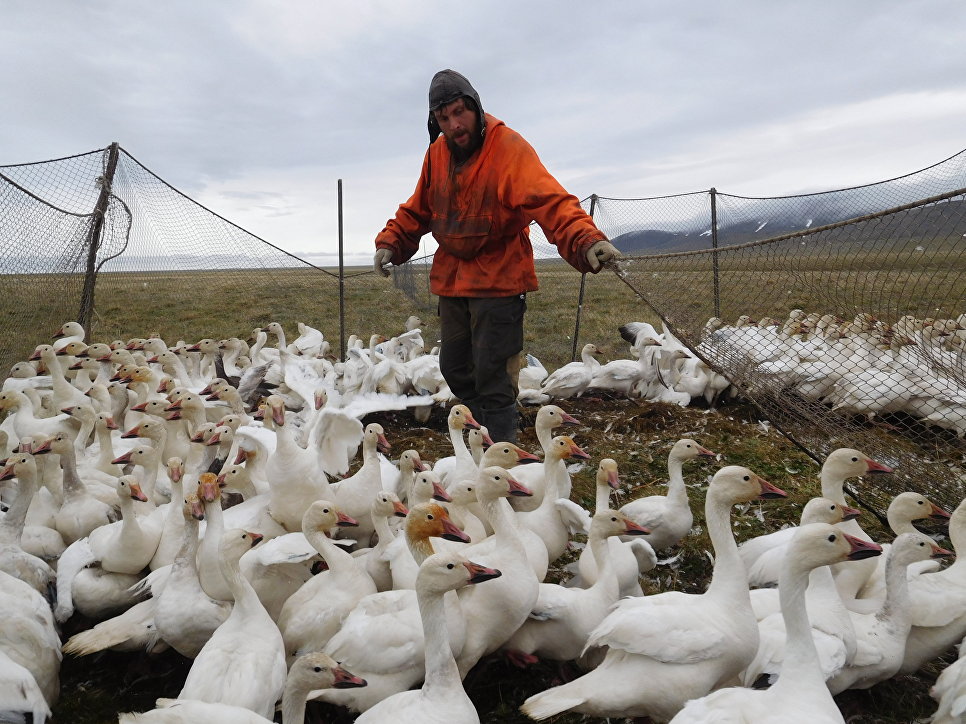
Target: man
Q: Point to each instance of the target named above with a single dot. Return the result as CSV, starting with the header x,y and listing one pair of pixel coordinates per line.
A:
x,y
480,187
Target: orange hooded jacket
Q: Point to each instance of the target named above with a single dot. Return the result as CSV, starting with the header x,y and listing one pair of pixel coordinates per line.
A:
x,y
480,215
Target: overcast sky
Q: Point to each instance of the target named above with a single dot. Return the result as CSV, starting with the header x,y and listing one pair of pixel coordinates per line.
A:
x,y
256,107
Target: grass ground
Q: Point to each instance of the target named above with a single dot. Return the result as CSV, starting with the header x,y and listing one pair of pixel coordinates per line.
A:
x,y
637,435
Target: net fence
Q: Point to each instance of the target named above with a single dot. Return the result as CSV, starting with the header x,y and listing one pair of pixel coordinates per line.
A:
x,y
838,314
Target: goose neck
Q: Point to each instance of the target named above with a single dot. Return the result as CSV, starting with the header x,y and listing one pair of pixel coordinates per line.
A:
x,y
729,576
676,489
442,672
12,524
896,603
338,560
801,664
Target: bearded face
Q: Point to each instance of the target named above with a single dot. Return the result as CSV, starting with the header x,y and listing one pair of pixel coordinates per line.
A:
x,y
460,126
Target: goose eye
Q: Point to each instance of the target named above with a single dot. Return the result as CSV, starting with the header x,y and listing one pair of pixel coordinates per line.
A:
x,y
831,538
922,545
451,566
613,519
920,503
855,460
430,517
325,510
469,490
317,669
832,508
746,478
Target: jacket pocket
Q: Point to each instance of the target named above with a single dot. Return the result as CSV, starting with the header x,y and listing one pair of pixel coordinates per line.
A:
x,y
464,237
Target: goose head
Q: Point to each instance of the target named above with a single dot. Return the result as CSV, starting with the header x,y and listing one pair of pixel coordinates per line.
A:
x,y
318,671
276,408
460,417
235,541
737,484
443,572
235,476
495,482
322,516
430,520
387,504
193,507
607,473
563,447
209,489
175,469
910,548
70,329
143,455
72,349
374,437
410,460
479,439
687,449
551,416
18,465
506,455
824,510
821,544
462,492
849,463
608,523
426,486
128,487
909,506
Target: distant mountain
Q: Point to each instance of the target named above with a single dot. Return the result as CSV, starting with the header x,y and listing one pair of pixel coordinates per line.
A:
x,y
742,220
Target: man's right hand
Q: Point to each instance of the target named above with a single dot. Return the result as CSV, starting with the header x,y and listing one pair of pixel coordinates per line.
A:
x,y
382,258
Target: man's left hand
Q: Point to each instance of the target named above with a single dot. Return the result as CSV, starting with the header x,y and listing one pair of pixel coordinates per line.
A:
x,y
601,252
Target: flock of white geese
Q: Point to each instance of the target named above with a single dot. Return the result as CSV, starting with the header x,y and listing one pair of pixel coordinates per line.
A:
x,y
183,501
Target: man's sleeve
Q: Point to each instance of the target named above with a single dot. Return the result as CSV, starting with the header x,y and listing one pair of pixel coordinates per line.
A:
x,y
530,187
403,232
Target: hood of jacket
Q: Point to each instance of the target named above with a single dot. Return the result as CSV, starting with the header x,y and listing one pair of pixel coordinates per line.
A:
x,y
446,87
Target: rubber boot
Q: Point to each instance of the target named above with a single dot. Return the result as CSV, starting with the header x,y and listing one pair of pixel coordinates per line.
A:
x,y
503,423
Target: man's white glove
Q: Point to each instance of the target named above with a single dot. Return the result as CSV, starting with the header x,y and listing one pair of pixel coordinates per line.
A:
x,y
380,260
601,252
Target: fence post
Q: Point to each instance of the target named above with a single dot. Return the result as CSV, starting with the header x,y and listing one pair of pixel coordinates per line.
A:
x,y
714,254
580,297
341,280
94,238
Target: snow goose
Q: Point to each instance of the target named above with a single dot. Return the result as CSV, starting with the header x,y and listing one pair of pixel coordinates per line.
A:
x,y
293,475
493,616
840,465
123,549
573,378
620,376
562,619
684,645
314,613
903,510
669,517
801,693
442,696
881,636
549,417
950,691
382,638
461,464
64,393
385,505
246,648
26,424
186,616
830,620
13,559
557,518
937,603
629,560
354,494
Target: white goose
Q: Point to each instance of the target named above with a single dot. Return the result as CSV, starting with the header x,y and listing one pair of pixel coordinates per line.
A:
x,y
246,648
315,612
669,517
840,465
13,559
354,495
684,645
831,622
801,693
442,697
881,636
382,637
629,560
573,378
549,417
385,505
950,691
460,465
938,601
562,619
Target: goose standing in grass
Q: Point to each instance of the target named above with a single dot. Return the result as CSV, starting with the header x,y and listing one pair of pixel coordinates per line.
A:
x,y
247,648
442,697
573,378
881,636
683,645
800,694
562,618
669,517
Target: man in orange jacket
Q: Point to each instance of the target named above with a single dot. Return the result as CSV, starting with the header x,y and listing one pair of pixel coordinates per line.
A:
x,y
480,187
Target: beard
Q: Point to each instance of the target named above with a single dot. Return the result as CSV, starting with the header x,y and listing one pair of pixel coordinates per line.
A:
x,y
461,153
